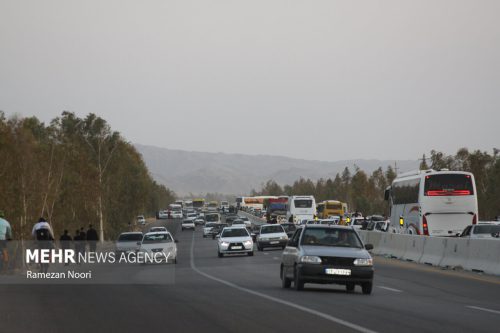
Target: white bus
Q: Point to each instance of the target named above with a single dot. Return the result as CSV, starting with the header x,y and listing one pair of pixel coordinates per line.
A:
x,y
432,203
300,207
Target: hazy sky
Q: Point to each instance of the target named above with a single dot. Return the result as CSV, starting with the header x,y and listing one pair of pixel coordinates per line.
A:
x,y
325,80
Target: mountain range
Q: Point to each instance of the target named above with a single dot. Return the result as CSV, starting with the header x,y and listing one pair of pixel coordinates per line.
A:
x,y
188,172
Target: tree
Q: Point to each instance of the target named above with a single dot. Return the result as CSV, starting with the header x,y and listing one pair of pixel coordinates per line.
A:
x,y
423,163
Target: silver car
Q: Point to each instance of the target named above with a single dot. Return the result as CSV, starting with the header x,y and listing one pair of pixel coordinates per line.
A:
x,y
128,242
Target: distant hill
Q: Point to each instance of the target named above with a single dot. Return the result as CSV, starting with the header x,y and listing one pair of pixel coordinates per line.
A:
x,y
195,172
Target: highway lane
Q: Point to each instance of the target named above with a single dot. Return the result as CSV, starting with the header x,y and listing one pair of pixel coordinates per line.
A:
x,y
406,297
241,294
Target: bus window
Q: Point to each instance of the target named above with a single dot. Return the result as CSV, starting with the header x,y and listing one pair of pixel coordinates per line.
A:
x,y
448,185
405,192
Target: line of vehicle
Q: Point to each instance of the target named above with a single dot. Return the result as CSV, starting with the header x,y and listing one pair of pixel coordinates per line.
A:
x,y
390,289
483,309
277,300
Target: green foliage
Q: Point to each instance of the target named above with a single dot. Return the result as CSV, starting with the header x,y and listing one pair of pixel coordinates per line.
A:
x,y
75,172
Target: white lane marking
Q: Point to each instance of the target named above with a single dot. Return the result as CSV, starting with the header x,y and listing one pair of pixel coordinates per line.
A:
x,y
483,309
390,289
278,300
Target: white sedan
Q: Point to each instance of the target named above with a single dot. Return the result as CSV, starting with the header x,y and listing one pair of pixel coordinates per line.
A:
x,y
271,235
187,224
207,228
234,240
488,230
158,247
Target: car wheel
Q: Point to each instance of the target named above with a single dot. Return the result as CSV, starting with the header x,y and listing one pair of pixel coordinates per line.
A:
x,y
350,287
220,254
285,282
250,254
367,288
298,283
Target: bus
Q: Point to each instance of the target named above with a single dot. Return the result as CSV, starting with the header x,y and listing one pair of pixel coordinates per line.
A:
x,y
300,207
329,208
432,203
253,202
198,204
213,206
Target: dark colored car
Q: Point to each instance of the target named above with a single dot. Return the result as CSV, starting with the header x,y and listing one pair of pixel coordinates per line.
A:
x,y
327,254
289,228
230,218
216,230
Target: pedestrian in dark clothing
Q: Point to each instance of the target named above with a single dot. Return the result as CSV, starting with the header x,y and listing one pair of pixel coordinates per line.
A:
x,y
92,238
79,245
83,238
65,240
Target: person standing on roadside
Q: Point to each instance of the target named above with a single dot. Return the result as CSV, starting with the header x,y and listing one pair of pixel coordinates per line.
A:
x,y
65,241
5,235
92,238
44,237
83,238
79,245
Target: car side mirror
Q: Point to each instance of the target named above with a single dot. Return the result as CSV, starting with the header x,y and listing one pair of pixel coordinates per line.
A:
x,y
369,247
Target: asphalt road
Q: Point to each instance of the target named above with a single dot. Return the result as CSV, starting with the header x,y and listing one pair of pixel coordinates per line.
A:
x,y
243,294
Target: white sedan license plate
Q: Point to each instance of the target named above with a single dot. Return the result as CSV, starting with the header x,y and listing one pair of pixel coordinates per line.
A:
x,y
236,248
337,271
274,242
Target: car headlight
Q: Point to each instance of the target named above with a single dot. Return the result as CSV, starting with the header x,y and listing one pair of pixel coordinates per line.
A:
x,y
310,260
264,239
248,243
283,237
224,243
363,262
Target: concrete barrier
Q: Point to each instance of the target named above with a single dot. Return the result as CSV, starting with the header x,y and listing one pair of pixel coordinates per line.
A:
x,y
483,256
456,253
384,246
374,238
414,248
399,244
363,234
433,251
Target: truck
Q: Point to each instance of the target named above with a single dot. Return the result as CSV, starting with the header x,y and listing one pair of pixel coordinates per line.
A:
x,y
276,208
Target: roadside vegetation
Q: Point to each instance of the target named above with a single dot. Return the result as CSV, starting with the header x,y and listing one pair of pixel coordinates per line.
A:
x,y
74,172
